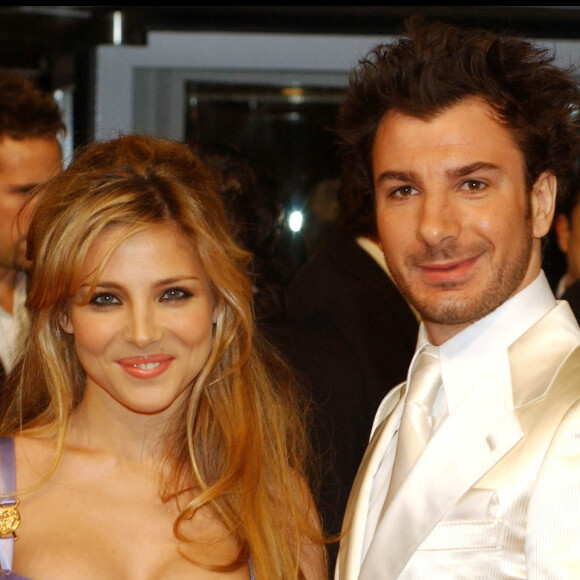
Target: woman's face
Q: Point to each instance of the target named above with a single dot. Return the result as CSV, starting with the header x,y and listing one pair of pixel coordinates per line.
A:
x,y
146,331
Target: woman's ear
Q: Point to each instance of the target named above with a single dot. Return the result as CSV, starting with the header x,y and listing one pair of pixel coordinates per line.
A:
x,y
543,201
66,323
216,306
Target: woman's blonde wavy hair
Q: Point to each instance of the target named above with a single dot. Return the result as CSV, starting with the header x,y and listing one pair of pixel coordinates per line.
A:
x,y
240,442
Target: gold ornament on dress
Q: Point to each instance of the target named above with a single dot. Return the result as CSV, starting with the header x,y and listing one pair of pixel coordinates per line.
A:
x,y
9,519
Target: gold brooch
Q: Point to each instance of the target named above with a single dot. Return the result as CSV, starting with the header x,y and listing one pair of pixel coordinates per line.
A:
x,y
9,519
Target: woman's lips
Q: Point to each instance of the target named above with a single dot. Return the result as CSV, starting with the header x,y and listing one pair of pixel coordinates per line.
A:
x,y
146,367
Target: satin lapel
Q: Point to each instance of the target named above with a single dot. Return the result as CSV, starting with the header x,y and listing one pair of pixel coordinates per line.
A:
x,y
478,433
538,354
354,526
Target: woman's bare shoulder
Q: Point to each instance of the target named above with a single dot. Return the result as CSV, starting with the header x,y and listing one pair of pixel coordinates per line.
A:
x,y
35,455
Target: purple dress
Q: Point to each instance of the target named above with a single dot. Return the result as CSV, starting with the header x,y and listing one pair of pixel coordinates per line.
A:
x,y
8,486
7,501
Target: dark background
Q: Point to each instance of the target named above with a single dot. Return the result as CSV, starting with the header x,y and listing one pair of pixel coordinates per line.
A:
x,y
55,43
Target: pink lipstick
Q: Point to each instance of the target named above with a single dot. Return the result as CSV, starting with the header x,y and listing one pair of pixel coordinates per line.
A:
x,y
146,367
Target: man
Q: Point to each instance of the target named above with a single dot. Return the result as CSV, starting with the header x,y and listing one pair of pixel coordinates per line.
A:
x,y
567,230
351,335
463,135
30,123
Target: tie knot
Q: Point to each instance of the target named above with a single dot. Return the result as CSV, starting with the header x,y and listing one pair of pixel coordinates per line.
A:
x,y
425,380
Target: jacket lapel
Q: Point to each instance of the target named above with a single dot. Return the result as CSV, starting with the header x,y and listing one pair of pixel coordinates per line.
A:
x,y
480,431
354,526
536,357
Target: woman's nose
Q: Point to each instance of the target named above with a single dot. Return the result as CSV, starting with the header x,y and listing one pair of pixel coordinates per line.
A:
x,y
142,328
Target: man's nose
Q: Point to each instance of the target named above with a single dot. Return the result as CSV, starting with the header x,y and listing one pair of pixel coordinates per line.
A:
x,y
438,218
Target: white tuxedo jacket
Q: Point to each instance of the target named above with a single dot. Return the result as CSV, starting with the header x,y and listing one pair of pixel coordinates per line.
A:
x,y
496,493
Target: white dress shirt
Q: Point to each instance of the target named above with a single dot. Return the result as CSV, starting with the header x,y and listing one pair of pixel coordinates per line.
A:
x,y
11,324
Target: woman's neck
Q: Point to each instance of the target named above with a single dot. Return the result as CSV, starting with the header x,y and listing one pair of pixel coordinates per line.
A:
x,y
100,423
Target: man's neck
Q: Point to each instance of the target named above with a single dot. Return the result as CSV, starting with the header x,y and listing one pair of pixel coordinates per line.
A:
x,y
7,283
536,299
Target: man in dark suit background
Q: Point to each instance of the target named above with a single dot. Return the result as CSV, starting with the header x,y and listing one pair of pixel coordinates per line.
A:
x,y
30,122
351,336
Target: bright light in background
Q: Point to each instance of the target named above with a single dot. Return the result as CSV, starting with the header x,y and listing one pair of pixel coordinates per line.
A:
x,y
295,221
117,28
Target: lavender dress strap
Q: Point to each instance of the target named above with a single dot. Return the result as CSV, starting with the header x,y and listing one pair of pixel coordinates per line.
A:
x,y
7,499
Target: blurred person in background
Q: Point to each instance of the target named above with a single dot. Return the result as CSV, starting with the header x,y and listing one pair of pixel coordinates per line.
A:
x,y
30,126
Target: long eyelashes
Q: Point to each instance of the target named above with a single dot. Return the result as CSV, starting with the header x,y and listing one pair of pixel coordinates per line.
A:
x,y
175,295
105,299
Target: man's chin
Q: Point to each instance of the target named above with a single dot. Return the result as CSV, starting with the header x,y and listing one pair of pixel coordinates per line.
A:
x,y
453,308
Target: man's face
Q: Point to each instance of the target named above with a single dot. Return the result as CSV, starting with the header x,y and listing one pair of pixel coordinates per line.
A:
x,y
459,231
23,164
568,233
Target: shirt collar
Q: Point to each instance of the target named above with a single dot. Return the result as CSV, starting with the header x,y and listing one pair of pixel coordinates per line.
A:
x,y
18,296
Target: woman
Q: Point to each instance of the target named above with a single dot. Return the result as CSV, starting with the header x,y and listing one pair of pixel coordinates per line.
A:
x,y
155,434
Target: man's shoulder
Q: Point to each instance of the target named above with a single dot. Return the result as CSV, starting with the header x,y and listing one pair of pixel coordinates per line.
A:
x,y
541,357
569,374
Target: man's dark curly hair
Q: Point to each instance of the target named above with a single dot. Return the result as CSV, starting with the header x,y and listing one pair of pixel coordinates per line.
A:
x,y
435,66
26,110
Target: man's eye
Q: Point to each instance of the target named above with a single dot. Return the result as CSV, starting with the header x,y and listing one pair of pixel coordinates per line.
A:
x,y
104,299
473,185
404,191
23,190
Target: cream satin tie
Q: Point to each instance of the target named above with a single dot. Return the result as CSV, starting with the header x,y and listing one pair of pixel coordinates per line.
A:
x,y
416,422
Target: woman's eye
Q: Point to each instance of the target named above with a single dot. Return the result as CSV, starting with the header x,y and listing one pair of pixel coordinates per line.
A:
x,y
175,294
104,299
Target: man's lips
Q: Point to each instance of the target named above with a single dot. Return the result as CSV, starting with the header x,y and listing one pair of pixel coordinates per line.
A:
x,y
448,271
146,367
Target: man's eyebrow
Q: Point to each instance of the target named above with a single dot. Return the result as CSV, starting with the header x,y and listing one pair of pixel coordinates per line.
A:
x,y
397,176
472,168
454,172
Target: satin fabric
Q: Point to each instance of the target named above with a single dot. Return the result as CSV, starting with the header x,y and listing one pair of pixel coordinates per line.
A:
x,y
496,495
416,422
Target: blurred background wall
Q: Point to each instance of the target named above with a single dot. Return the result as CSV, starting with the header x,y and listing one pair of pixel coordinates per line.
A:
x,y
268,79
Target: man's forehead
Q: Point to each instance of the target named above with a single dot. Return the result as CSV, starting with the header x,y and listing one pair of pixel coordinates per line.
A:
x,y
34,157
467,127
452,116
